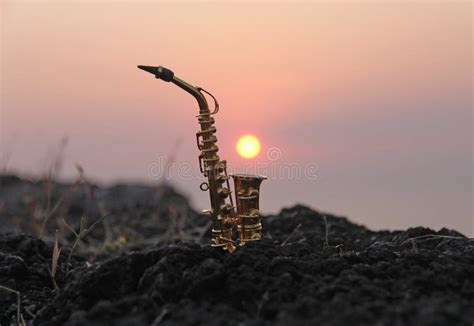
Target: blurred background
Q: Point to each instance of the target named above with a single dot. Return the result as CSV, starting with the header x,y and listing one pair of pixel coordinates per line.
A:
x,y
375,97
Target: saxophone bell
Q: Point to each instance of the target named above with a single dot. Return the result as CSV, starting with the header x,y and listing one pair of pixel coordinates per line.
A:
x,y
247,196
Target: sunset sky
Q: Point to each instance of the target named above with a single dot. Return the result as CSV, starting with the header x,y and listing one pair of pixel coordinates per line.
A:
x,y
376,94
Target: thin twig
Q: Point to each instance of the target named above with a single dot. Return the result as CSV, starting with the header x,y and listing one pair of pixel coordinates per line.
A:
x,y
160,317
7,154
22,320
100,205
415,247
55,258
339,247
291,235
100,219
56,287
430,236
49,213
19,317
54,167
263,300
326,226
32,315
83,232
203,231
76,241
70,228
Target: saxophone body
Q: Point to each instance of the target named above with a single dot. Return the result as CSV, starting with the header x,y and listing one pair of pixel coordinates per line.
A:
x,y
224,216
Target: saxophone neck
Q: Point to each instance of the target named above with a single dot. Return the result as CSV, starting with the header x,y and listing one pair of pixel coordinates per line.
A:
x,y
167,75
194,91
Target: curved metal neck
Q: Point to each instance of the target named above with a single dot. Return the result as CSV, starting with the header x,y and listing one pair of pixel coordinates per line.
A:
x,y
203,106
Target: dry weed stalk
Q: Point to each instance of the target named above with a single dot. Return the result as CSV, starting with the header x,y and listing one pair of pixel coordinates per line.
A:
x,y
175,228
83,232
55,260
326,228
291,235
19,316
415,247
160,317
434,236
177,219
263,300
326,238
48,214
202,231
100,205
37,213
67,197
53,169
168,164
6,154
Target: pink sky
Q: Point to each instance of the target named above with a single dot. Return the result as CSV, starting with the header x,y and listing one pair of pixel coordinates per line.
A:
x,y
377,95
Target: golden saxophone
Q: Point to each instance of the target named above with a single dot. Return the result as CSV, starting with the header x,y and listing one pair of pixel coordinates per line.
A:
x,y
247,186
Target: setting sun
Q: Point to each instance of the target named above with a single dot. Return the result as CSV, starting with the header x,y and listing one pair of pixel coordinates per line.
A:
x,y
248,146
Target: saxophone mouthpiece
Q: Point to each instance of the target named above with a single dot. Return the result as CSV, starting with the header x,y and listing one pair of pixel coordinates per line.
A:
x,y
159,72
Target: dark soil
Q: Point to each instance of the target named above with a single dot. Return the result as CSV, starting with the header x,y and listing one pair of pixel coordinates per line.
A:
x,y
148,263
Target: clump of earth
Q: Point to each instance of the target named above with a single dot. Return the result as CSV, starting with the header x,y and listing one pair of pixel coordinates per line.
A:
x,y
141,257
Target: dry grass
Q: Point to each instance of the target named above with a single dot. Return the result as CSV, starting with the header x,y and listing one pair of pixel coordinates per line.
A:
x,y
434,236
160,317
99,204
263,300
53,170
6,153
20,321
284,243
326,228
55,260
41,214
326,245
65,201
79,236
177,217
54,208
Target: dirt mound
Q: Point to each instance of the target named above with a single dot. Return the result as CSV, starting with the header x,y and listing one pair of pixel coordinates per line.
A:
x,y
25,263
390,281
309,269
